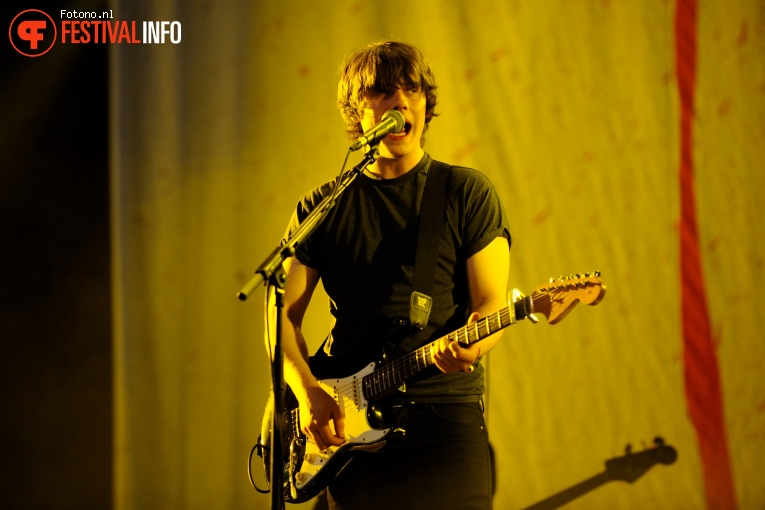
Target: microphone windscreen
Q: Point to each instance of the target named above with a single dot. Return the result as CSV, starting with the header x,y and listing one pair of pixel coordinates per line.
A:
x,y
397,116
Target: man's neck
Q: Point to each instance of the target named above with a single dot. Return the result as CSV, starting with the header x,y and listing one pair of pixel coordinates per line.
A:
x,y
390,168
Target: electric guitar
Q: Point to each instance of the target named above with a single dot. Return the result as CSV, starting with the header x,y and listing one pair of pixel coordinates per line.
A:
x,y
308,470
626,468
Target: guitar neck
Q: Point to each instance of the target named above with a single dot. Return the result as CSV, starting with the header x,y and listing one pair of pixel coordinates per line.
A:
x,y
566,496
389,377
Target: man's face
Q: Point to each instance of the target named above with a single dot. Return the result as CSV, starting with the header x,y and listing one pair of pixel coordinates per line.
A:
x,y
404,145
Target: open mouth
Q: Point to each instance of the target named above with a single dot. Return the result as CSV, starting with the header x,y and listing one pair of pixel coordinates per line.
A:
x,y
403,132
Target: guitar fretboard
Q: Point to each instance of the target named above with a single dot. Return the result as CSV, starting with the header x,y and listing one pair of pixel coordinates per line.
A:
x,y
389,377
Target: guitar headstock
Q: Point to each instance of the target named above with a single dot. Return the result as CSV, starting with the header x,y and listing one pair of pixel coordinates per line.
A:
x,y
555,299
632,466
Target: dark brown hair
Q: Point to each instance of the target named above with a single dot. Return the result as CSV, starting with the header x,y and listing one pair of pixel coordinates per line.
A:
x,y
381,67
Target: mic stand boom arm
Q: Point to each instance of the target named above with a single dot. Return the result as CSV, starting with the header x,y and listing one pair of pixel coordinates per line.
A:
x,y
272,272
306,227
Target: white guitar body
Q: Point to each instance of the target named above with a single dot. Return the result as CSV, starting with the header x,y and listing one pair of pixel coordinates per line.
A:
x,y
307,469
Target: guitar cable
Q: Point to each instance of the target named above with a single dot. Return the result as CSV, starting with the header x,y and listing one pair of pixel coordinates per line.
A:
x,y
260,447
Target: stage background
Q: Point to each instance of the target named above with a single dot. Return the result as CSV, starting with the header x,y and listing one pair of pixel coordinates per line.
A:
x,y
622,136
573,110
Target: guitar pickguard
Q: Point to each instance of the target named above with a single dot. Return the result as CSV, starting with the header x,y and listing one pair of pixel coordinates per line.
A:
x,y
317,467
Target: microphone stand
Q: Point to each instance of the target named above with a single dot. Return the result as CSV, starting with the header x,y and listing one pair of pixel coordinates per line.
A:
x,y
272,272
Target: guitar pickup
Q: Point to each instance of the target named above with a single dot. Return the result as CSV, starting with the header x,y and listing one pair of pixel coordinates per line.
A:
x,y
317,459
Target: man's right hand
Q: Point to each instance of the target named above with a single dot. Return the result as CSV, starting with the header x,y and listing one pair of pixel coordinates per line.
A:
x,y
319,415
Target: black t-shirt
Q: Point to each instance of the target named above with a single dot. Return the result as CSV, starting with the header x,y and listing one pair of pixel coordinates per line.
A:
x,y
364,252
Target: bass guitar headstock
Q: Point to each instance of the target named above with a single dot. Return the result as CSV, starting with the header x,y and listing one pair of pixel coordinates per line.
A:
x,y
632,466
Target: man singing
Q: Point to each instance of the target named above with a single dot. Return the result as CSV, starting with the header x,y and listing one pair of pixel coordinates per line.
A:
x,y
364,253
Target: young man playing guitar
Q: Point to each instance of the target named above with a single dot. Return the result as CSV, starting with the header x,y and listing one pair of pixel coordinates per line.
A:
x,y
364,252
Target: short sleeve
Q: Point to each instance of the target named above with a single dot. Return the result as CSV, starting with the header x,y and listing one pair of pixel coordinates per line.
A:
x,y
484,217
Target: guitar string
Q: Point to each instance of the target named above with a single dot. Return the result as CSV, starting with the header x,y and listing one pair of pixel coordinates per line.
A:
x,y
410,364
385,378
472,332
388,376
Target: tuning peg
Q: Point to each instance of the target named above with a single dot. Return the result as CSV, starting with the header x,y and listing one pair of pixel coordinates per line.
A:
x,y
597,274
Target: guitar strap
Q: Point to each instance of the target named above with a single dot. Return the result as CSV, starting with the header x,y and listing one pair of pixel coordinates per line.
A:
x,y
428,242
429,233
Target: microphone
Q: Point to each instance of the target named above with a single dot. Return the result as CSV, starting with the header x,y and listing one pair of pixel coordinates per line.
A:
x,y
392,122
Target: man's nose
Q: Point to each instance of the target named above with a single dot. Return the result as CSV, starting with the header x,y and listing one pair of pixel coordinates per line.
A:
x,y
399,100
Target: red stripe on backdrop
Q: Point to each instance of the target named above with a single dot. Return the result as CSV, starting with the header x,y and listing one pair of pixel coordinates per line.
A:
x,y
702,377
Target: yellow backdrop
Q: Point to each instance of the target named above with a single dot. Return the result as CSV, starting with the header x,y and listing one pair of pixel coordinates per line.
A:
x,y
572,110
